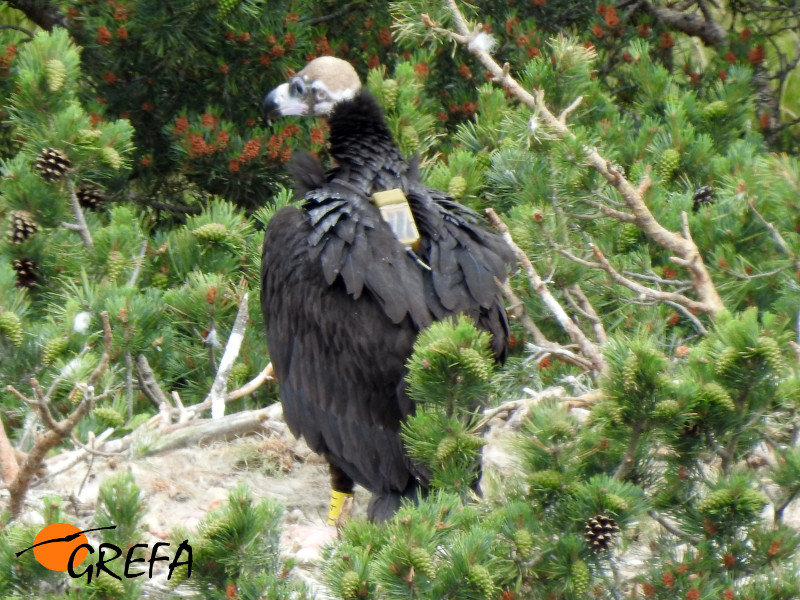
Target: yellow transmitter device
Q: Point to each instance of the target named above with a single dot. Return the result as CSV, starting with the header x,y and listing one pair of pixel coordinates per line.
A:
x,y
395,210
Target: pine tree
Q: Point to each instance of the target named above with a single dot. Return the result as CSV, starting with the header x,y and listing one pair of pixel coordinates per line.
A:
x,y
130,176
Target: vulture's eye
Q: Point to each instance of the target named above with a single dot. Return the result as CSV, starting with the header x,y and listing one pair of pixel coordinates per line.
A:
x,y
297,87
320,94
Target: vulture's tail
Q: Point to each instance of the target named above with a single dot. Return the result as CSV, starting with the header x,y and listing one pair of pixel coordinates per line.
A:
x,y
382,507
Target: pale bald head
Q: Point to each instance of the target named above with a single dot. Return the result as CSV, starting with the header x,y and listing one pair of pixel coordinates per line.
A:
x,y
314,90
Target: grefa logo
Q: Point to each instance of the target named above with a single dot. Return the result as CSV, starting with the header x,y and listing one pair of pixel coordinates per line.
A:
x,y
64,547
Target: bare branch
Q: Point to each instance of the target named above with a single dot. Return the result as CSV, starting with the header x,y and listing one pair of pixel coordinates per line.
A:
x,y
137,266
588,349
216,397
148,383
705,28
252,385
80,222
565,113
684,249
695,321
584,306
773,231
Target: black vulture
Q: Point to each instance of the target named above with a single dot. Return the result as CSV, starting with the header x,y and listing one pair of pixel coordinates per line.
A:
x,y
344,295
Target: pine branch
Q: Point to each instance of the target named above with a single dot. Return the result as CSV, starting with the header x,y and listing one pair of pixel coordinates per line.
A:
x,y
588,349
684,248
57,431
44,14
148,384
705,28
674,530
516,310
80,225
775,234
138,261
604,264
584,307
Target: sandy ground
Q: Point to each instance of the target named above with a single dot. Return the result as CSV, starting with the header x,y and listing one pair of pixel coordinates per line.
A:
x,y
180,487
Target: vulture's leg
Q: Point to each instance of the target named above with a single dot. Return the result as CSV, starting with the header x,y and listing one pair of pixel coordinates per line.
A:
x,y
341,491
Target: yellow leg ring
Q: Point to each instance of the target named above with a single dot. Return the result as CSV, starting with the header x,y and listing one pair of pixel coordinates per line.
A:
x,y
336,503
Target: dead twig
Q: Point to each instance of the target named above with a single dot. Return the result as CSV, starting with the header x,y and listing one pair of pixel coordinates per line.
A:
x,y
56,430
216,397
80,225
588,349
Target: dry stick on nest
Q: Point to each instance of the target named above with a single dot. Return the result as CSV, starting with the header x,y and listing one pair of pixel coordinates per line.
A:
x,y
216,397
588,349
56,430
682,246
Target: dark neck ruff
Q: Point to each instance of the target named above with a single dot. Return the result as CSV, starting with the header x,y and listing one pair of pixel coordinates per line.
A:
x,y
362,145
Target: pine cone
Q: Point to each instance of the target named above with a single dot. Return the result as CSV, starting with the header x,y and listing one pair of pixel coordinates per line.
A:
x,y
457,186
21,226
422,561
90,197
56,74
112,157
114,264
714,393
239,372
11,326
476,364
702,195
480,578
600,531
770,350
109,416
580,576
349,585
667,409
614,502
89,136
524,542
53,349
628,237
668,163
389,89
224,8
751,501
548,479
211,232
715,110
725,360
107,587
52,164
160,280
410,138
446,448
26,272
629,372
715,501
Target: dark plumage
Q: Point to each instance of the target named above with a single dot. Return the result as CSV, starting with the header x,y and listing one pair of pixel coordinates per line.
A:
x,y
343,299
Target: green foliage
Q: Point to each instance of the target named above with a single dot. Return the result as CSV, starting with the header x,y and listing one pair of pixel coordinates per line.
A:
x,y
449,376
236,552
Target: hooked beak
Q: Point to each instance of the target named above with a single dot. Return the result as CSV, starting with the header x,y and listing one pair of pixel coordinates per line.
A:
x,y
280,103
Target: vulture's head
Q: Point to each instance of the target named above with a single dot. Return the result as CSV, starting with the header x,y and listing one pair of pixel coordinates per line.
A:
x,y
313,91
